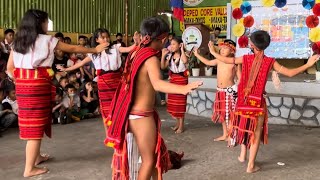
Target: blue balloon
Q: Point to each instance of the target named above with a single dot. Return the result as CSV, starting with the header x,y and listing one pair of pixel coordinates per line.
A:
x,y
308,4
280,3
245,7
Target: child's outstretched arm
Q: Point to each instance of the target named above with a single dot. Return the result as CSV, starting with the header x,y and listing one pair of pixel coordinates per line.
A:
x,y
292,72
76,66
183,54
204,60
227,60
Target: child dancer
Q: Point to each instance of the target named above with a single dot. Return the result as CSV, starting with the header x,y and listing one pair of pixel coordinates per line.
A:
x,y
29,64
108,67
250,120
176,60
226,94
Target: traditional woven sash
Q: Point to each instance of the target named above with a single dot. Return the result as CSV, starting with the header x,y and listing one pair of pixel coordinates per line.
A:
x,y
118,119
176,102
251,103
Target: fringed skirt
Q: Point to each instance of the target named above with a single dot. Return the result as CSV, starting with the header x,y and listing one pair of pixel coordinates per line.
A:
x,y
224,104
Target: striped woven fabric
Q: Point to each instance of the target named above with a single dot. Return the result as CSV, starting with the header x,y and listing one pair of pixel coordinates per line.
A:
x,y
177,103
107,86
35,97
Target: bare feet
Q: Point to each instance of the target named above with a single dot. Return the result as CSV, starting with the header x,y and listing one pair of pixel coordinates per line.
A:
x,y
163,102
35,171
179,131
221,138
253,170
42,158
241,159
174,128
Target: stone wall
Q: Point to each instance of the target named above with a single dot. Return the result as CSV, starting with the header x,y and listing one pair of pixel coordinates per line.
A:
x,y
282,109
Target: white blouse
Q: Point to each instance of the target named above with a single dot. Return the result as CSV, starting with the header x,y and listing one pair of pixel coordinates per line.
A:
x,y
107,62
41,55
173,66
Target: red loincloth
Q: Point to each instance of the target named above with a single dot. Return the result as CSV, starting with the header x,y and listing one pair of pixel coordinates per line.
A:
x,y
107,86
177,103
35,97
244,122
224,104
118,119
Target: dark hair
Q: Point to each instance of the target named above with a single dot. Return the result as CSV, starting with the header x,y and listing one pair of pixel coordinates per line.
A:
x,y
67,38
8,31
59,35
69,86
59,92
154,27
62,78
82,37
261,39
177,39
71,73
119,34
172,34
95,36
217,29
229,41
29,29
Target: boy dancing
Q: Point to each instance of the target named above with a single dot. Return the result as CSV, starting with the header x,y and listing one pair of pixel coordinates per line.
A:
x,y
132,108
249,124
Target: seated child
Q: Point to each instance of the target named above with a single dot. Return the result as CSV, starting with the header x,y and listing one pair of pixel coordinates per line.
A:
x,y
89,99
7,117
71,103
10,101
56,110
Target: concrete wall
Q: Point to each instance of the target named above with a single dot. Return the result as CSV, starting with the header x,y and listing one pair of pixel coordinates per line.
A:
x,y
298,104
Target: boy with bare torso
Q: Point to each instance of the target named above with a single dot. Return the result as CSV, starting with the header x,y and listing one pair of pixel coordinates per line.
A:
x,y
226,94
133,106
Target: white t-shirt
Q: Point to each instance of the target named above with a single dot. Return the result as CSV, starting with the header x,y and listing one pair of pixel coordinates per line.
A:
x,y
76,102
13,104
107,62
41,55
173,66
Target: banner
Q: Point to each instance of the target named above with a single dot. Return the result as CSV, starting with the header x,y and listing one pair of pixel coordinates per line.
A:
x,y
209,16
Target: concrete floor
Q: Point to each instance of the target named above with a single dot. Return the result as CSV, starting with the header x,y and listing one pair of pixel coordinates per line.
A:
x,y
79,153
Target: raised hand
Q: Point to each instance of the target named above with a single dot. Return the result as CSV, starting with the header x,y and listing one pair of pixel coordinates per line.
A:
x,y
165,51
59,67
313,59
192,86
182,47
137,37
102,47
196,51
211,47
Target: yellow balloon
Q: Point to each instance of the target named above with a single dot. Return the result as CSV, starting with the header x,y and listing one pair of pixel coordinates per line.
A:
x,y
317,1
241,20
236,3
238,30
314,34
268,3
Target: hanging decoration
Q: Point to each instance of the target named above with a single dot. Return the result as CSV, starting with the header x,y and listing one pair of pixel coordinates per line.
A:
x,y
308,4
245,7
316,9
316,47
314,34
280,3
238,30
312,21
243,41
178,12
268,3
237,13
236,3
248,21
